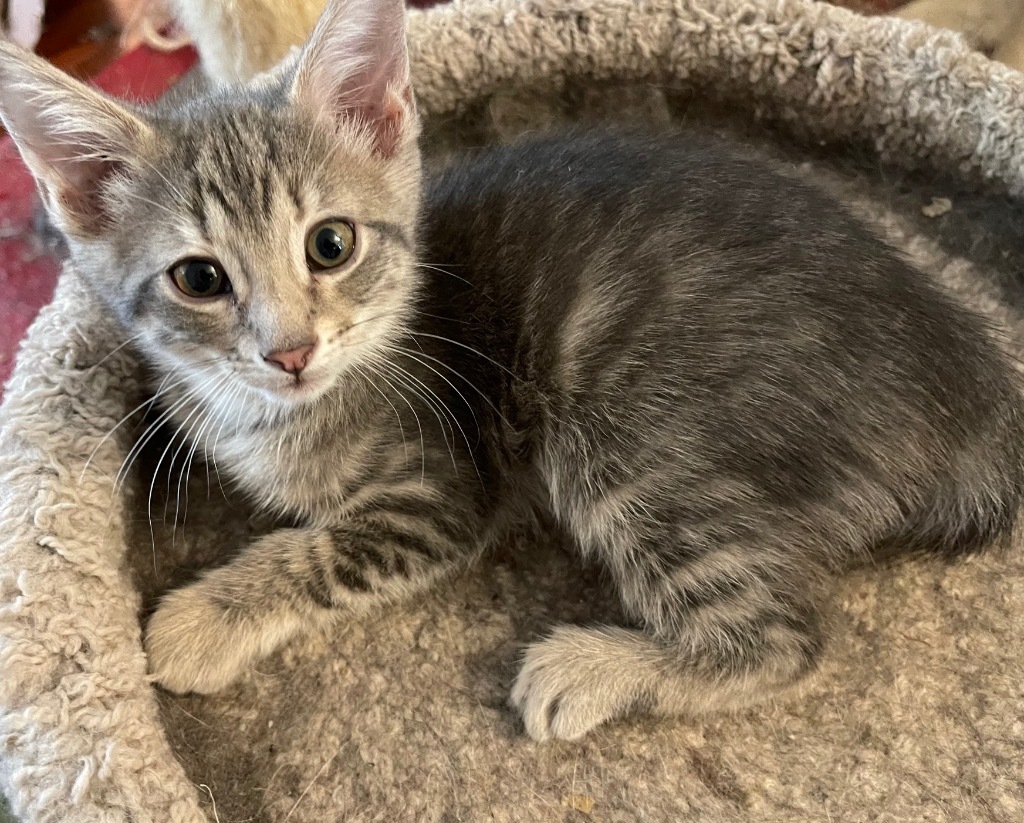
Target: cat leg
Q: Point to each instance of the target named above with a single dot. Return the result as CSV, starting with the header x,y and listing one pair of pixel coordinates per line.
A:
x,y
204,635
717,635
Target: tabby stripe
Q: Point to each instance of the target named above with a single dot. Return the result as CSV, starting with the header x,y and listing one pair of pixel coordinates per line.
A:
x,y
389,533
350,578
365,552
392,231
711,592
317,586
359,549
220,197
408,505
803,623
740,646
199,209
267,190
296,196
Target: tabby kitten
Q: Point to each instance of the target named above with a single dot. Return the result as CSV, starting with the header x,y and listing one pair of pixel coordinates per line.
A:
x,y
719,383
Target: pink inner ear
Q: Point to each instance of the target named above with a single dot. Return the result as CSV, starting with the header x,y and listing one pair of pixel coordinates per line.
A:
x,y
383,108
81,198
356,58
390,124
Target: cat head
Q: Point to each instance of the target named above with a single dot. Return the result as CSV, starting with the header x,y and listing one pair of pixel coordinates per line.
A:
x,y
262,236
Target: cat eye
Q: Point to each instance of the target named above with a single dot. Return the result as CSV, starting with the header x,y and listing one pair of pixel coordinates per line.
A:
x,y
330,244
200,278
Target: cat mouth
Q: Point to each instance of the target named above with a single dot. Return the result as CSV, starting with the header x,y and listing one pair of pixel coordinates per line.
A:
x,y
302,387
297,390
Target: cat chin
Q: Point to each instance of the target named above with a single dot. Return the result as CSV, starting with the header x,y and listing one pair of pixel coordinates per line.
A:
x,y
295,393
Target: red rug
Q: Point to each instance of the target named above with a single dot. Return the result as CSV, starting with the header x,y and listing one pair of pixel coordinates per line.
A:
x,y
28,267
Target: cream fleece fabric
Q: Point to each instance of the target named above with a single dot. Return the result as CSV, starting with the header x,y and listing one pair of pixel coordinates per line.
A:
x,y
918,713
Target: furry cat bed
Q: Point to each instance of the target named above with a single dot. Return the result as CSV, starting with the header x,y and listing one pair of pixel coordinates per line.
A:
x,y
917,714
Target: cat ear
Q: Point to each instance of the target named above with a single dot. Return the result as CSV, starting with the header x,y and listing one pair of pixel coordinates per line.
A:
x,y
72,137
355,67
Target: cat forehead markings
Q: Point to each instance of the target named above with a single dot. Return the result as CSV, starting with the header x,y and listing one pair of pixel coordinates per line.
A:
x,y
247,163
236,161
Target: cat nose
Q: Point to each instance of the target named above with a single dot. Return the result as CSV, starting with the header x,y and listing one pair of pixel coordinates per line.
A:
x,y
292,360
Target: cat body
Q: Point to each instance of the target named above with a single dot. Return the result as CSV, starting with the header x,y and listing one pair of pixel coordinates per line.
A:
x,y
721,385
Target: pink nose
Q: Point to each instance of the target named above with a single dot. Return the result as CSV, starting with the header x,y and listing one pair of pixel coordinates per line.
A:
x,y
293,360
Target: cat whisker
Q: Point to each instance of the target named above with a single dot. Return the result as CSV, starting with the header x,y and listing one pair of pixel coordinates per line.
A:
x,y
149,433
451,417
187,471
342,332
416,393
280,443
413,384
442,317
412,356
458,374
134,195
204,434
110,354
419,426
398,417
151,430
490,360
181,512
175,189
211,456
430,267
186,468
126,466
182,401
212,383
185,440
148,402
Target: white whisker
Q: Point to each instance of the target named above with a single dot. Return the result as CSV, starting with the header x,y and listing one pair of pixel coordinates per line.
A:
x,y
419,426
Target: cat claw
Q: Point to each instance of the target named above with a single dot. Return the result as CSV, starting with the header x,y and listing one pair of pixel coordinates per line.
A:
x,y
557,694
191,646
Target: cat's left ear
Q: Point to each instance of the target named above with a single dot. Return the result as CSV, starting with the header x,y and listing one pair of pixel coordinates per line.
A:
x,y
72,137
355,68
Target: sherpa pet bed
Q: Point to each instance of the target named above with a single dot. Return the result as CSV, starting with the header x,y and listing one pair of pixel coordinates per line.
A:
x,y
918,713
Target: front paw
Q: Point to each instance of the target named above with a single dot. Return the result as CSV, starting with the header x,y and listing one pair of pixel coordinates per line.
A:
x,y
192,645
195,645
571,683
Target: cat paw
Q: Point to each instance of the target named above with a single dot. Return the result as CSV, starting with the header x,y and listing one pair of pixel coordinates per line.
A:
x,y
192,645
561,691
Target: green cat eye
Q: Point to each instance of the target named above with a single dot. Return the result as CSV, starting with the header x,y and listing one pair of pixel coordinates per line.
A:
x,y
330,244
200,278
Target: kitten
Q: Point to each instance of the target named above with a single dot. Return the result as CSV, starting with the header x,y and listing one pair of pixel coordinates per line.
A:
x,y
722,385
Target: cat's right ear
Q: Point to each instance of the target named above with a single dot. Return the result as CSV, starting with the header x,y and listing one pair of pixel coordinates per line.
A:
x,y
72,137
355,69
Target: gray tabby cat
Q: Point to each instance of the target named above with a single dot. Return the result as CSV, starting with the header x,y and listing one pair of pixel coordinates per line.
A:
x,y
719,383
